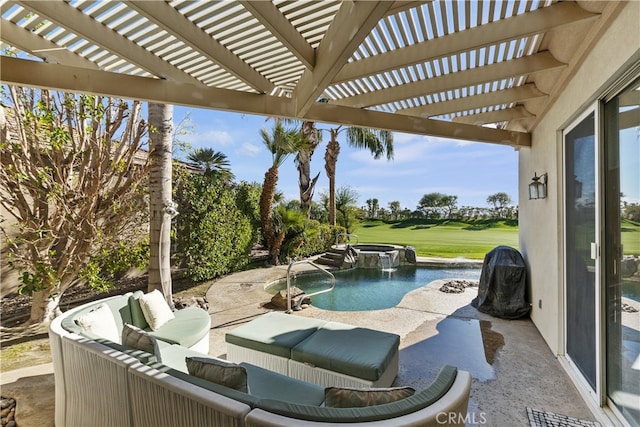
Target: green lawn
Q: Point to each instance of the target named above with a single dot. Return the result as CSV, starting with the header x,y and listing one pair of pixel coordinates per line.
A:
x,y
631,237
443,239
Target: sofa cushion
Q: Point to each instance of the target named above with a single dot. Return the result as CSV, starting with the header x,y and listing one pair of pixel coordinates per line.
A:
x,y
265,384
141,355
155,308
187,328
346,397
136,338
274,333
358,352
137,316
99,323
239,396
218,371
175,355
386,411
117,305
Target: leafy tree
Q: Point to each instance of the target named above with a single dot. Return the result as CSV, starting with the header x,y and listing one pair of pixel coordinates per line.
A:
x,y
281,143
632,212
394,207
499,201
72,180
438,204
346,200
213,162
372,208
378,142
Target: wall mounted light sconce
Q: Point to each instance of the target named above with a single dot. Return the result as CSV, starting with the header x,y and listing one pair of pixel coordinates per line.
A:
x,y
538,187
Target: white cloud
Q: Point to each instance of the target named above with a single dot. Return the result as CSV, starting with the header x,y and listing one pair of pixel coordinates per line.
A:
x,y
210,139
248,150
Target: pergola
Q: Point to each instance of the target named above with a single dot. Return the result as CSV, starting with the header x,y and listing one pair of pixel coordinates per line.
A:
x,y
473,70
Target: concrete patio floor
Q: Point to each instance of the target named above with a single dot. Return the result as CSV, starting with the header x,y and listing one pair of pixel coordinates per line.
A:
x,y
511,366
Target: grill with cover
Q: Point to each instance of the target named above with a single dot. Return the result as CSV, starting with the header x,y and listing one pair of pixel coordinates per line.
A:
x,y
503,282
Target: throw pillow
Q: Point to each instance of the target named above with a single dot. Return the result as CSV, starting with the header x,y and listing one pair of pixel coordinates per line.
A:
x,y
345,397
137,316
140,340
99,323
155,309
218,371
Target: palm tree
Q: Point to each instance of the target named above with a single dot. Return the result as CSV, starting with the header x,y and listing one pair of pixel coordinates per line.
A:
x,y
290,228
215,163
378,142
346,199
160,150
303,162
281,144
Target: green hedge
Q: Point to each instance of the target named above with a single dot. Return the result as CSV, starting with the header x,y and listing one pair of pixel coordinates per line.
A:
x,y
217,224
318,239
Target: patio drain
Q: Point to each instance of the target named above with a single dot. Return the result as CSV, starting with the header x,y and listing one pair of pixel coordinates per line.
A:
x,y
538,418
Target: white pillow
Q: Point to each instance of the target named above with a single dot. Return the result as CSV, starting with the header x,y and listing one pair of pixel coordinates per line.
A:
x,y
155,309
100,323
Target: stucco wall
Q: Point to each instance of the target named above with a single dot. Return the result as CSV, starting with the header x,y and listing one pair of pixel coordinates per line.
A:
x,y
541,220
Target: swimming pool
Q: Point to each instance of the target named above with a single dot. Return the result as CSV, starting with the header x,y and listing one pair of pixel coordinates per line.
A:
x,y
371,289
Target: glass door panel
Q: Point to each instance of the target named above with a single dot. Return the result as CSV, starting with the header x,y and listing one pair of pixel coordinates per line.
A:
x,y
580,210
622,251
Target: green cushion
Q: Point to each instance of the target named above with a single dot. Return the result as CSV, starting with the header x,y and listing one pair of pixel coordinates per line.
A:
x,y
265,384
188,327
137,316
358,352
174,355
386,411
142,356
239,396
274,333
349,397
219,371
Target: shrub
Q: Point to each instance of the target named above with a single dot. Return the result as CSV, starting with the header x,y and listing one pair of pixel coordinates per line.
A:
x,y
318,239
215,229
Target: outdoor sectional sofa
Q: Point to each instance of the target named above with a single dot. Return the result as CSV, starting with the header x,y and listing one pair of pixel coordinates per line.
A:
x,y
102,382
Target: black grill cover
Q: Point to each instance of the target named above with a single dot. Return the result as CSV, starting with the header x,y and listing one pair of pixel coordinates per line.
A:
x,y
503,283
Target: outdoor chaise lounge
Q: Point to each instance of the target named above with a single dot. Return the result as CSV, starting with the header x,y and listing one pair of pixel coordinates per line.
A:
x,y
102,381
317,351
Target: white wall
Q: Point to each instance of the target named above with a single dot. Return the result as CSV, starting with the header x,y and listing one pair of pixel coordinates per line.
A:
x,y
541,220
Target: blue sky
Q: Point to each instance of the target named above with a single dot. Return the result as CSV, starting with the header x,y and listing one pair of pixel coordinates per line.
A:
x,y
421,165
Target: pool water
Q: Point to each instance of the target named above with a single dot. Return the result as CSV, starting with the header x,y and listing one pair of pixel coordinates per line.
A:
x,y
370,289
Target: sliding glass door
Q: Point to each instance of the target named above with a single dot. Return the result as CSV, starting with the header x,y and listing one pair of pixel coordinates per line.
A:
x,y
622,251
580,247
602,250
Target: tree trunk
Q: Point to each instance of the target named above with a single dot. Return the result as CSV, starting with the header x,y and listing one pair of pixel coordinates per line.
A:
x,y
331,159
305,182
44,307
160,149
274,251
266,209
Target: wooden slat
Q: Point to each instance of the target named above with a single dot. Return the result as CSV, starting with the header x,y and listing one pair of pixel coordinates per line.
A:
x,y
352,23
522,66
177,24
69,17
59,77
269,16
